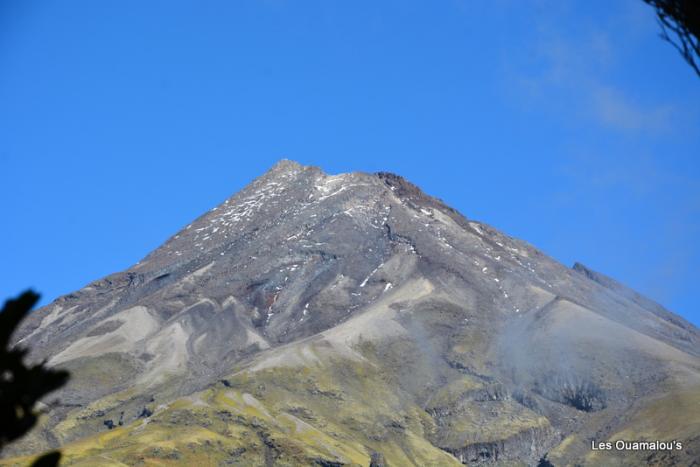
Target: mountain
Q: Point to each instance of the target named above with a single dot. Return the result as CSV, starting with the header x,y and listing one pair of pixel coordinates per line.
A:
x,y
351,319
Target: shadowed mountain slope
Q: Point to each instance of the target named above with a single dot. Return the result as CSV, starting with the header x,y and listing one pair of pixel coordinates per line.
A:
x,y
353,320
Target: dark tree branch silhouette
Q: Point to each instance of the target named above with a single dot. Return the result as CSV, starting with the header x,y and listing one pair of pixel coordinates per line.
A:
x,y
21,386
680,26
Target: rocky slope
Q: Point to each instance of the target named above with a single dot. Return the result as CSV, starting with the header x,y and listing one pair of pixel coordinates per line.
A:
x,y
354,320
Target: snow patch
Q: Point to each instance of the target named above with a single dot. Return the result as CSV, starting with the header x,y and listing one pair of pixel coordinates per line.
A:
x,y
364,282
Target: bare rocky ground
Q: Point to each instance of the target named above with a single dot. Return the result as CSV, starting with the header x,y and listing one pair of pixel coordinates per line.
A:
x,y
354,320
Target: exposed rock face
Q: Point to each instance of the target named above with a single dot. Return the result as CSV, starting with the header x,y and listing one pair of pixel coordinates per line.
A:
x,y
352,319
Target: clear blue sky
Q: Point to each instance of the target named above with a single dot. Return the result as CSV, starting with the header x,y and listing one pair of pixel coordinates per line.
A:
x,y
569,124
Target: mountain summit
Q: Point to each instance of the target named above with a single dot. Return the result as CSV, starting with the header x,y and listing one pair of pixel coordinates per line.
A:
x,y
351,319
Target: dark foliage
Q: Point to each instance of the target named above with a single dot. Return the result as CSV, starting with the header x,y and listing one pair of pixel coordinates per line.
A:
x,y
48,460
22,386
680,26
544,462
